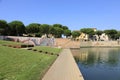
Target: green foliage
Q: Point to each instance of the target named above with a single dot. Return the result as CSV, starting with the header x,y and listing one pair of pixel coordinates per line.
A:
x,y
47,49
65,27
38,34
57,25
24,46
75,34
88,31
45,28
59,32
67,32
4,27
117,36
52,30
16,28
57,29
98,32
33,28
111,33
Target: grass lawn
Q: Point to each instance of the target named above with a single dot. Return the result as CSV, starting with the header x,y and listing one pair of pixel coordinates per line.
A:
x,y
47,49
20,64
2,42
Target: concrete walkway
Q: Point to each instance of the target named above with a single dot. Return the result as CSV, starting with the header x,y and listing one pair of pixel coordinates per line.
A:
x,y
64,68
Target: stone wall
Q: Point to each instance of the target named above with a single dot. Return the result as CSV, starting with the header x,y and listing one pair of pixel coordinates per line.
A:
x,y
100,44
30,40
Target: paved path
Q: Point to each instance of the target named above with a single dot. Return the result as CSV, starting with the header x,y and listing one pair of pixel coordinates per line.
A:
x,y
64,68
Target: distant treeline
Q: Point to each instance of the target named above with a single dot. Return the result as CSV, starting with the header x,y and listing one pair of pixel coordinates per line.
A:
x,y
17,28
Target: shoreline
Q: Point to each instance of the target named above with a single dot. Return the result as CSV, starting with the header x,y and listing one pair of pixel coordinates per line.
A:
x,y
64,68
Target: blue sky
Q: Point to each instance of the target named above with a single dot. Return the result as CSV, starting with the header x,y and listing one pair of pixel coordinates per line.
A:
x,y
76,14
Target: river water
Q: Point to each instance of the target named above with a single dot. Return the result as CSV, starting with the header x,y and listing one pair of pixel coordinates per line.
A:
x,y
98,63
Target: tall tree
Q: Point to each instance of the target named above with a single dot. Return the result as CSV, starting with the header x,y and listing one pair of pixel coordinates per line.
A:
x,y
117,36
67,32
16,28
59,32
57,25
45,28
33,28
99,32
4,28
75,34
88,31
65,27
111,33
52,30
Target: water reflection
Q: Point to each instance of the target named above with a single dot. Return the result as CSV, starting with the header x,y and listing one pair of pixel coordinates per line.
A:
x,y
98,63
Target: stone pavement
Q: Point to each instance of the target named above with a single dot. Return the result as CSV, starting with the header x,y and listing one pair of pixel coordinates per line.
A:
x,y
64,68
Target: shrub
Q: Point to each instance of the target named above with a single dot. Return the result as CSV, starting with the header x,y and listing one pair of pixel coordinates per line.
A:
x,y
23,46
9,45
14,46
40,51
30,45
46,52
51,53
38,34
34,49
9,39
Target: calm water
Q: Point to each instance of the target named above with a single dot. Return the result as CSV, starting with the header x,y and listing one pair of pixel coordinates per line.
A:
x,y
98,63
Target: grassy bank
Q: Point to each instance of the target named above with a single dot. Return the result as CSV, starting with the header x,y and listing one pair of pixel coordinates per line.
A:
x,y
3,42
15,44
20,64
47,49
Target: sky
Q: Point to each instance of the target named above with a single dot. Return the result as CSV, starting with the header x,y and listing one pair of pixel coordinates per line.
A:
x,y
76,14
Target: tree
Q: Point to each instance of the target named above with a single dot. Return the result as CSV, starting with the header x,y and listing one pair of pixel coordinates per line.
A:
x,y
117,36
98,32
67,32
88,31
57,25
52,30
75,34
33,28
65,27
4,28
111,33
38,34
16,28
45,28
58,32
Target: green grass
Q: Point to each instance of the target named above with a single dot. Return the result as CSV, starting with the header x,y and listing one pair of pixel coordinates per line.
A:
x,y
20,64
3,42
47,49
